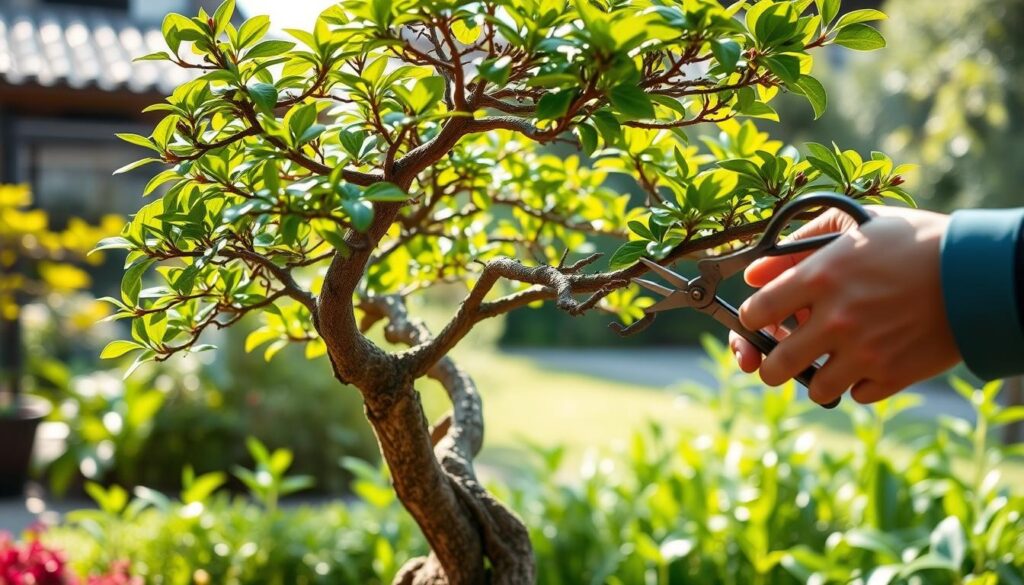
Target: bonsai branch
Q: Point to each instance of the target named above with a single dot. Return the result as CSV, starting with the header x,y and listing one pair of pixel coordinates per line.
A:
x,y
561,284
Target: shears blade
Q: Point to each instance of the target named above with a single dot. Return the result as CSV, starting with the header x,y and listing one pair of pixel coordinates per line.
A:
x,y
654,287
675,298
671,277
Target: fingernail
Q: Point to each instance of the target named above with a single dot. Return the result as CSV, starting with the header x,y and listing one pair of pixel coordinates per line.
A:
x,y
739,360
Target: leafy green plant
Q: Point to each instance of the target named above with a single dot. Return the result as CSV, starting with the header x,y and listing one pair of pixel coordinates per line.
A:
x,y
399,144
757,500
204,536
109,422
267,482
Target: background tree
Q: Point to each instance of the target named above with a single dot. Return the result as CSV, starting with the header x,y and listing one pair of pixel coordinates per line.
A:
x,y
948,96
399,144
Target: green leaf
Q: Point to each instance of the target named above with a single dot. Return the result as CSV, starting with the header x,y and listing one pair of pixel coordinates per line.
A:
x,y
608,126
928,562
864,15
742,166
641,230
280,461
131,282
142,358
1009,415
465,33
627,254
113,243
360,212
138,140
426,93
177,28
222,17
828,9
754,14
264,95
786,67
496,70
727,52
812,89
760,110
554,105
588,138
273,48
118,348
158,56
631,101
300,118
257,449
203,486
290,485
860,37
134,165
948,541
385,191
252,30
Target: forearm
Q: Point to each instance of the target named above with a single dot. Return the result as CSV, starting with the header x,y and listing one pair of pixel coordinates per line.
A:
x,y
983,289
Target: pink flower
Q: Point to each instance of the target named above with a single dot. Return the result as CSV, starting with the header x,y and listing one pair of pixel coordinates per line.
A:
x,y
31,563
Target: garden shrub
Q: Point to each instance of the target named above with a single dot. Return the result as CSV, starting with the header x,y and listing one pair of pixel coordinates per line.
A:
x,y
754,501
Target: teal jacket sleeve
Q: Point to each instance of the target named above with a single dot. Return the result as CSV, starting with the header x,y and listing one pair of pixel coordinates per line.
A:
x,y
979,268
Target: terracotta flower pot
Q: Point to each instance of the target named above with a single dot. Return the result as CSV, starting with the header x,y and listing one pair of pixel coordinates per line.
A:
x,y
17,436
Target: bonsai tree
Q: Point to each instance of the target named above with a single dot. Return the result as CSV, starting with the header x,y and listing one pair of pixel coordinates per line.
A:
x,y
398,144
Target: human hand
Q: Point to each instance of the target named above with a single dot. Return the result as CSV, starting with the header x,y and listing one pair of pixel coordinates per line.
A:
x,y
871,301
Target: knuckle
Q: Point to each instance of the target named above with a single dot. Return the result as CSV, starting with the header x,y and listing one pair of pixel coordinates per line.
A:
x,y
873,360
821,279
840,324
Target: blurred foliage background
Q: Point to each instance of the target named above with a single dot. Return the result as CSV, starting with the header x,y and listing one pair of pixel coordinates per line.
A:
x,y
946,94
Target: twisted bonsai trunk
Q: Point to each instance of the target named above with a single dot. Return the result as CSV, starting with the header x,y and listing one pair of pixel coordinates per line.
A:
x,y
433,471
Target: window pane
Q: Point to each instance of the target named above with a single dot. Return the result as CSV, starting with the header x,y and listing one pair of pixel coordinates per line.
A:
x,y
74,179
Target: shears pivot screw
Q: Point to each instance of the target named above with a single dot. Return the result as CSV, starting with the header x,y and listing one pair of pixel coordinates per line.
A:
x,y
697,294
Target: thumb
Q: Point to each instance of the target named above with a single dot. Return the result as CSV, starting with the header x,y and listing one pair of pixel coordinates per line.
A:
x,y
767,269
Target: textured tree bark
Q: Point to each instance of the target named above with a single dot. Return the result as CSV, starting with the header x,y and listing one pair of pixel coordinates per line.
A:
x,y
462,522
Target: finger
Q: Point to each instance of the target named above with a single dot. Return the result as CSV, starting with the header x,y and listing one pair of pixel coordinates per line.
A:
x,y
794,354
869,391
833,379
764,270
775,302
747,356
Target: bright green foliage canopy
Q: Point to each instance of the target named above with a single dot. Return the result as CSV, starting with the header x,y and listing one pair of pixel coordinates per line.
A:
x,y
419,129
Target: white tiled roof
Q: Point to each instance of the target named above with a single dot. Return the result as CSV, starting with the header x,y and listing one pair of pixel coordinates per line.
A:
x,y
82,48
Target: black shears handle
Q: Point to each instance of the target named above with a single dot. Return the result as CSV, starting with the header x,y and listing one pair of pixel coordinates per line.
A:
x,y
769,245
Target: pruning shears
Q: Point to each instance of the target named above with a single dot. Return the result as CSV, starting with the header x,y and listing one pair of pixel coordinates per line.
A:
x,y
701,293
